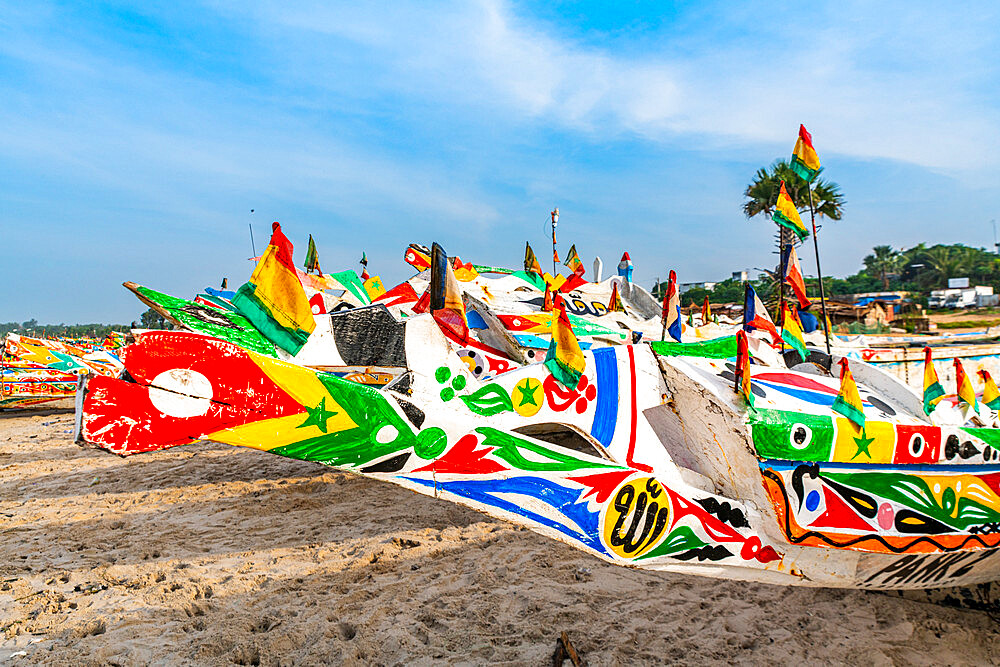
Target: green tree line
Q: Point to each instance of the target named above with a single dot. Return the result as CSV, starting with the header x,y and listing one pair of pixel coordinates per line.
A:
x,y
148,320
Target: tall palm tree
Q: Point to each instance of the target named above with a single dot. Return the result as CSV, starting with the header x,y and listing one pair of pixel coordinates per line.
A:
x,y
762,193
762,196
884,261
946,262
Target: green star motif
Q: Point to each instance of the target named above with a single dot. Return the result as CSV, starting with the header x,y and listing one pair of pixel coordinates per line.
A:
x,y
528,393
318,416
863,443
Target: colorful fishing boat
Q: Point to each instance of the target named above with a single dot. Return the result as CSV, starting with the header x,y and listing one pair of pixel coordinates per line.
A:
x,y
702,457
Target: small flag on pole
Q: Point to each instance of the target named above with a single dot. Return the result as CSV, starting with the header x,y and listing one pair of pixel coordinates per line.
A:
x,y
755,314
671,314
848,401
933,391
615,304
573,261
312,257
743,367
791,332
531,264
991,396
805,162
786,215
966,394
793,275
564,359
364,266
274,300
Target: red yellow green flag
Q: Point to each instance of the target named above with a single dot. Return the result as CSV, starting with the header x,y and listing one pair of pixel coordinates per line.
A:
x,y
743,367
805,162
273,300
786,215
793,275
991,396
312,257
615,304
564,359
966,394
933,391
848,401
531,264
573,261
706,311
791,332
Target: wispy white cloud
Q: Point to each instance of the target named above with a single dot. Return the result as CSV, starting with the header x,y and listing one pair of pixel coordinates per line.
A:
x,y
896,82
466,122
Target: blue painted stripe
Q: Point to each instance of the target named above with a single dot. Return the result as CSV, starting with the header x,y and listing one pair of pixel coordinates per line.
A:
x,y
565,502
807,395
606,414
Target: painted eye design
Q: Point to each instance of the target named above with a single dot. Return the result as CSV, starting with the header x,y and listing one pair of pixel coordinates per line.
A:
x,y
916,445
801,436
812,504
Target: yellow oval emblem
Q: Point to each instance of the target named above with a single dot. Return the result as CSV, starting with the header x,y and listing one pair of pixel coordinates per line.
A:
x,y
527,397
637,518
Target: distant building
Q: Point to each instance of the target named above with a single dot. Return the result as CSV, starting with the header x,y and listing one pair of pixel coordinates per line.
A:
x,y
741,276
684,287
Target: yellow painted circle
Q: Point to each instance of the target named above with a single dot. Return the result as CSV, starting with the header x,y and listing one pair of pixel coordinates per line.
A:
x,y
636,518
527,397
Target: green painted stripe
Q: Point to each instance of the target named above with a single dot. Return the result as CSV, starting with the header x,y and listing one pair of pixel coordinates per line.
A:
x,y
990,436
481,268
352,283
582,327
532,279
239,330
717,348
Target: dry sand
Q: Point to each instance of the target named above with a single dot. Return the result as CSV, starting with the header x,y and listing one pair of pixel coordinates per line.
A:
x,y
213,555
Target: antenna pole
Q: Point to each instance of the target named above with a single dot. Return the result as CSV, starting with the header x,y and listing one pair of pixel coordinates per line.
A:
x,y
253,248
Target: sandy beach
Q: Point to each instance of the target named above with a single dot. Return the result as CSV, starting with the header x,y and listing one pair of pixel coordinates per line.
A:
x,y
214,555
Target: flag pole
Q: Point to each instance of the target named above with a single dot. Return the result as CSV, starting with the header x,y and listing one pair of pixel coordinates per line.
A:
x,y
819,271
253,248
781,282
555,221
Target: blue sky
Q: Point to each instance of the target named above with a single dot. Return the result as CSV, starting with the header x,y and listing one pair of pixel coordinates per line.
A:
x,y
137,136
